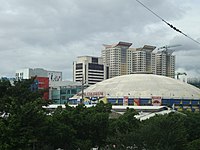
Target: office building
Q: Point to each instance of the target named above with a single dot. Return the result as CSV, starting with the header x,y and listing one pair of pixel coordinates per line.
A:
x,y
42,78
25,74
89,70
61,91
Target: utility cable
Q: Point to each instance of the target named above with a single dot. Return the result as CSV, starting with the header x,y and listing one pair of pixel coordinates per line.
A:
x,y
170,25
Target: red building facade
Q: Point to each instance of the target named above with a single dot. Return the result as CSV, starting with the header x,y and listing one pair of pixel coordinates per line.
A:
x,y
43,84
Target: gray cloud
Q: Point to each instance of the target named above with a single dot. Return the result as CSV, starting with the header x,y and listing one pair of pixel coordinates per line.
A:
x,y
186,44
187,55
51,34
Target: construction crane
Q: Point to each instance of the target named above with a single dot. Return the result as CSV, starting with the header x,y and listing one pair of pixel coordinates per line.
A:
x,y
180,73
167,48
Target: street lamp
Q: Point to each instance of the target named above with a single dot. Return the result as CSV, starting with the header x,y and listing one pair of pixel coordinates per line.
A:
x,y
82,91
60,95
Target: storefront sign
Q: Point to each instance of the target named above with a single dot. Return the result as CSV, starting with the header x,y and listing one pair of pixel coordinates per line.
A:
x,y
156,100
136,102
125,100
91,94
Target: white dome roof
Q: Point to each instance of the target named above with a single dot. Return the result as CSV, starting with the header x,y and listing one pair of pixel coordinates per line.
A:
x,y
144,86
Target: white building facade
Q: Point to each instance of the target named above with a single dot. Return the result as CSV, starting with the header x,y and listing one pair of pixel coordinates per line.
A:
x,y
165,64
27,73
144,60
118,58
161,64
89,70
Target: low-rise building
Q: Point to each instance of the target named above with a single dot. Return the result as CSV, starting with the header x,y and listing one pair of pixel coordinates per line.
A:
x,y
42,78
28,73
61,91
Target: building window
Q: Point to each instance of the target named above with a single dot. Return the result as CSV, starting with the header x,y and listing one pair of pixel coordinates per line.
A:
x,y
63,91
73,91
95,66
79,66
94,60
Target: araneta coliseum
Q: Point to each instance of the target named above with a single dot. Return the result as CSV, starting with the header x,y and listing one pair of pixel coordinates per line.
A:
x,y
143,90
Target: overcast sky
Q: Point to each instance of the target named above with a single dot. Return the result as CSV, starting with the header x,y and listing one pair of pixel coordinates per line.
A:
x,y
50,34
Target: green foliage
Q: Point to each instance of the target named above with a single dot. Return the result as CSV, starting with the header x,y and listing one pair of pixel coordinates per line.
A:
x,y
91,124
26,118
166,132
194,145
59,132
192,124
4,86
123,132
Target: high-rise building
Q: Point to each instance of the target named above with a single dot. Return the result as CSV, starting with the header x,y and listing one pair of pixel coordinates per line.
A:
x,y
89,70
161,59
139,61
130,63
122,59
144,60
117,57
165,64
170,66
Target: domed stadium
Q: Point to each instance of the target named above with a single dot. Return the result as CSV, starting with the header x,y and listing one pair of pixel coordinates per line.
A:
x,y
144,89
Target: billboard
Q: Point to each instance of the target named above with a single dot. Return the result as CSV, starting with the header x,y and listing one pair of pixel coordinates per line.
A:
x,y
136,102
125,100
43,83
55,76
156,100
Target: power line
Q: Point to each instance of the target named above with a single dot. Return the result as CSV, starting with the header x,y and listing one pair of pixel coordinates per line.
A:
x,y
170,25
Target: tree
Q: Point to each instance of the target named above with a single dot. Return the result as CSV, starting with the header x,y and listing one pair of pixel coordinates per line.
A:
x,y
166,132
24,125
91,125
192,126
194,145
29,126
79,127
4,86
123,131
60,131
